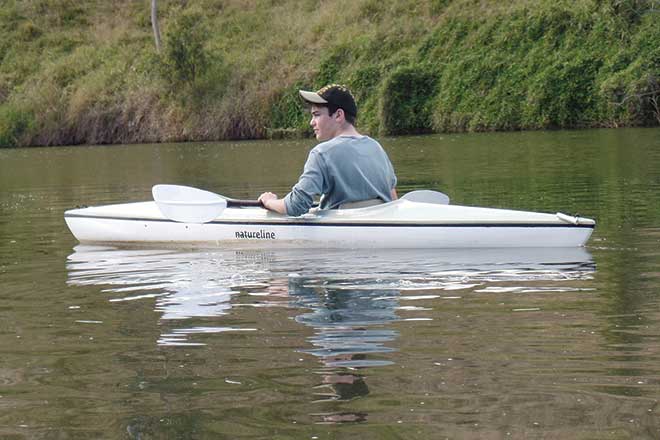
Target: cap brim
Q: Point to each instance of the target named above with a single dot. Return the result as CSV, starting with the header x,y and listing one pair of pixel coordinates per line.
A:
x,y
312,97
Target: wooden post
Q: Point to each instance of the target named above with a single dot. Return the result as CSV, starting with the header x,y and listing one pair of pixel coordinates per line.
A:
x,y
154,23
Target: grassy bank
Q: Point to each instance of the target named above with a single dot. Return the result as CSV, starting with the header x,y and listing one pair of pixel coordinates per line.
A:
x,y
88,72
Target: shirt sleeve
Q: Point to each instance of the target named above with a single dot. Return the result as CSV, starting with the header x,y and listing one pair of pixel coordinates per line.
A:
x,y
310,184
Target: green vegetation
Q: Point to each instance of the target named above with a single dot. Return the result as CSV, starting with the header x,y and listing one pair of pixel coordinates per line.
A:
x,y
88,72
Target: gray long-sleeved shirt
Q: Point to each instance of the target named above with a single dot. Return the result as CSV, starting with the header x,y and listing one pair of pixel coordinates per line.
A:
x,y
344,169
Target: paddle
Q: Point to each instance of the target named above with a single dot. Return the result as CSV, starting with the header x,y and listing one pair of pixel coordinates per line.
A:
x,y
427,196
191,205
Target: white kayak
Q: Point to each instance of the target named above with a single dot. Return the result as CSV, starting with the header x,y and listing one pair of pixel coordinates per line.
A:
x,y
403,223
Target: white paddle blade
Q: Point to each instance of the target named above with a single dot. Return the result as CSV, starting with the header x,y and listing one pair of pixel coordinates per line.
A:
x,y
186,204
427,196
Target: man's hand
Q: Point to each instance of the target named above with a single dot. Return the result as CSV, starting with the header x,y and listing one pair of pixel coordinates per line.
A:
x,y
272,203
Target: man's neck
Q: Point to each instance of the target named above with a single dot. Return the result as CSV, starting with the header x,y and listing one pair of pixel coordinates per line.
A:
x,y
347,130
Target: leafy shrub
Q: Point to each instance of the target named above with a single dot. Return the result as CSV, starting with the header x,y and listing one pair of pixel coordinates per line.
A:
x,y
365,83
185,58
14,123
562,94
196,74
331,66
406,101
365,80
287,114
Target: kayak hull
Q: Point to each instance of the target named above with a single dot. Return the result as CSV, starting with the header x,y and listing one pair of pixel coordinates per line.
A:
x,y
399,224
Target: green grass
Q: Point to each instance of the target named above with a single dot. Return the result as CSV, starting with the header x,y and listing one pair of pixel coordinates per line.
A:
x,y
88,72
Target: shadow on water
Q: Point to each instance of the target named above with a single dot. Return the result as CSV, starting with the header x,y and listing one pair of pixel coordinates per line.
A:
x,y
349,300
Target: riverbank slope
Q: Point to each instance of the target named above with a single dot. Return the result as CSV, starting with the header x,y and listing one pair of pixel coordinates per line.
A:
x,y
89,72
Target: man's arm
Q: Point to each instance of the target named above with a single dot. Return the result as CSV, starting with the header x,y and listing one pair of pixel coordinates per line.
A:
x,y
272,203
301,197
394,194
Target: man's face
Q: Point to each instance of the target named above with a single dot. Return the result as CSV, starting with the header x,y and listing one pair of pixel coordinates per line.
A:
x,y
325,126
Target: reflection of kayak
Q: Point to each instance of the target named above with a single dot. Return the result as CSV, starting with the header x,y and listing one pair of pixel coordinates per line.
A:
x,y
399,224
186,274
347,296
93,261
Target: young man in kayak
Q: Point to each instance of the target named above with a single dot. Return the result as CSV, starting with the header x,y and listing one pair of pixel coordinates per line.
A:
x,y
346,167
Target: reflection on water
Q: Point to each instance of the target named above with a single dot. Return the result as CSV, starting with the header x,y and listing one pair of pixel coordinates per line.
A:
x,y
350,300
348,323
184,285
350,329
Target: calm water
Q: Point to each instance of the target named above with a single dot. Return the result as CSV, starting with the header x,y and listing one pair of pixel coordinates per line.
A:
x,y
98,342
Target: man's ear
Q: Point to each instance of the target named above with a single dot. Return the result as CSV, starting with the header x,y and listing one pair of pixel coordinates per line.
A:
x,y
341,115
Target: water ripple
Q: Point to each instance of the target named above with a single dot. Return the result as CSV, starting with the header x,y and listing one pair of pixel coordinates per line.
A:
x,y
345,297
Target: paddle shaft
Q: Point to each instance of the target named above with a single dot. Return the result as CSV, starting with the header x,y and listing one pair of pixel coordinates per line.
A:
x,y
236,203
427,196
